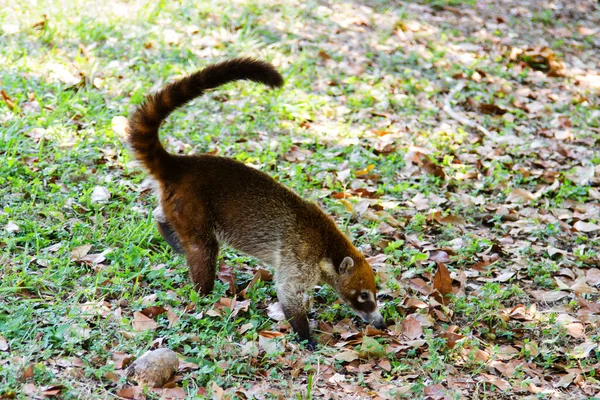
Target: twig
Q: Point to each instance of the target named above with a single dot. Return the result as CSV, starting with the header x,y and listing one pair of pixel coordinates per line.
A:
x,y
463,120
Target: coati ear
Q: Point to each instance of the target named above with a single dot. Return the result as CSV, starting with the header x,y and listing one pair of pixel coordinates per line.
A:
x,y
346,265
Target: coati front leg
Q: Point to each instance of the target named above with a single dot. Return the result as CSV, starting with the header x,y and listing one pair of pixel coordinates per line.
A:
x,y
290,293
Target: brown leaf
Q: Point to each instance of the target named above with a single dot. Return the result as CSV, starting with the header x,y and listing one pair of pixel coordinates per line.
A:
x,y
27,372
141,323
496,381
297,154
451,336
520,195
131,392
420,286
153,311
592,277
411,327
442,284
170,393
172,317
593,308
491,109
79,252
260,275
436,391
10,104
121,360
51,391
439,256
227,276
347,356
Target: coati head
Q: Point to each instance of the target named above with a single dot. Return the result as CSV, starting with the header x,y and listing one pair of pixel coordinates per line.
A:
x,y
356,286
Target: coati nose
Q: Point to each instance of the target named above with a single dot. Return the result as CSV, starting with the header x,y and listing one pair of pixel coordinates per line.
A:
x,y
375,318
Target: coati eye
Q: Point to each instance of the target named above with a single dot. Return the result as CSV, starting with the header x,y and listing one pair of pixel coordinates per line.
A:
x,y
364,296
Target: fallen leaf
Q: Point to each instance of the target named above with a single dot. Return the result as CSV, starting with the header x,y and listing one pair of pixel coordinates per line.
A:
x,y
260,275
548,297
347,356
78,252
3,344
520,195
100,194
592,276
121,360
275,311
411,327
244,328
153,311
583,350
227,275
27,372
586,226
496,381
271,342
11,227
442,284
141,322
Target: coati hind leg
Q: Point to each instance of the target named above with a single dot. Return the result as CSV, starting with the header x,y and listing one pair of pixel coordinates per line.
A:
x,y
166,230
170,236
201,254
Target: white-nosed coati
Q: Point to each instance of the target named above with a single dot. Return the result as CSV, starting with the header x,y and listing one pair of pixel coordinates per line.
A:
x,y
207,200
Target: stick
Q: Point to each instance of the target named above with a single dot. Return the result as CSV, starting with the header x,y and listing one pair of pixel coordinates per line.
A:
x,y
463,120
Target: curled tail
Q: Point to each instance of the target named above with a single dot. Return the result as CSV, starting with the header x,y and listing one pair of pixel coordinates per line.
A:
x,y
146,119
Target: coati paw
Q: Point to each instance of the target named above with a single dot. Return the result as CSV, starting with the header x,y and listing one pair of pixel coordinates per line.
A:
x,y
310,344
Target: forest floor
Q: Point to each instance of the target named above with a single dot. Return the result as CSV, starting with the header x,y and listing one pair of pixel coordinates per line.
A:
x,y
456,142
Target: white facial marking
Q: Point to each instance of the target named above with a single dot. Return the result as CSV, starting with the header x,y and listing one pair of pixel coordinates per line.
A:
x,y
371,297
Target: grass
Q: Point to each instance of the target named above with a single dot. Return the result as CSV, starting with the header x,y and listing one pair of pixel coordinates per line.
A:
x,y
71,69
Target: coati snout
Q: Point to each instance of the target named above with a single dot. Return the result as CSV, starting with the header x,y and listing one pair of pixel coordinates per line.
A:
x,y
206,201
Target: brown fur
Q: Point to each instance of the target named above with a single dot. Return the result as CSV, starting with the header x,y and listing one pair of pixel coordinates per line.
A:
x,y
208,200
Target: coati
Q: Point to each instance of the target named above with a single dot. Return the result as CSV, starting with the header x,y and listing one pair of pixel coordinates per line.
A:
x,y
207,200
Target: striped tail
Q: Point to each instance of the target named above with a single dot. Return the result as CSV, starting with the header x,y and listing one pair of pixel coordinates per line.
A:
x,y
147,118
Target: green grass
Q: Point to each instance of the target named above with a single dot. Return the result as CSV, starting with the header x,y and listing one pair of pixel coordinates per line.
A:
x,y
70,68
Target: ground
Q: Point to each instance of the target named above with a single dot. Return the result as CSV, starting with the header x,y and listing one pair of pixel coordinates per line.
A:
x,y
456,142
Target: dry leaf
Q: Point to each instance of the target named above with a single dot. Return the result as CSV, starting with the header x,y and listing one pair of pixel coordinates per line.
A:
x,y
141,322
271,342
496,381
11,227
274,311
411,327
100,194
227,276
520,195
79,252
347,356
548,297
442,284
121,360
3,344
586,226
